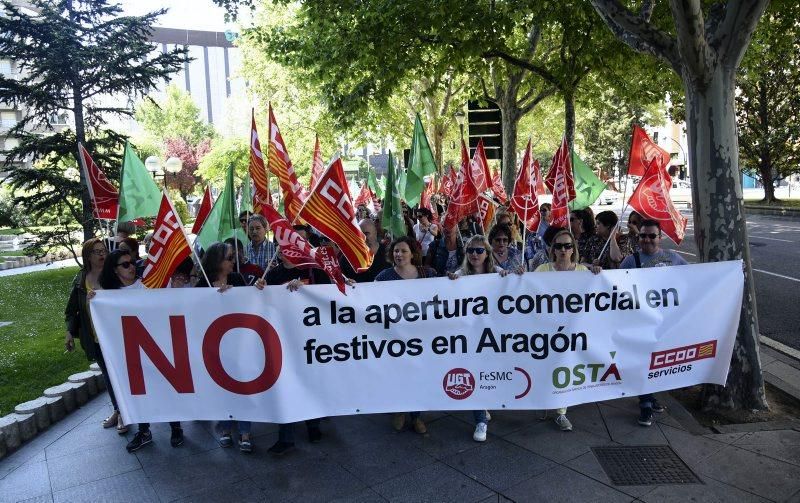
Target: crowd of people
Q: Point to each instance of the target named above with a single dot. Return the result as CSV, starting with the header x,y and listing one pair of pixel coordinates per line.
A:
x,y
590,244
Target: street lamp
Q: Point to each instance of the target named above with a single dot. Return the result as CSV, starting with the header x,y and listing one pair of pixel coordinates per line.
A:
x,y
173,165
153,165
461,118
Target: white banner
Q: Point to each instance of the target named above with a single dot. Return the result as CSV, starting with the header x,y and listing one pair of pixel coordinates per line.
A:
x,y
536,341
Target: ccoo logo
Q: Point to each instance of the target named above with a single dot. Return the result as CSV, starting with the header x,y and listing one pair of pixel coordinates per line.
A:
x,y
458,383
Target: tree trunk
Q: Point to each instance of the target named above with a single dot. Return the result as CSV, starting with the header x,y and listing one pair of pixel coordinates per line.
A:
x,y
510,120
439,133
569,118
765,168
719,225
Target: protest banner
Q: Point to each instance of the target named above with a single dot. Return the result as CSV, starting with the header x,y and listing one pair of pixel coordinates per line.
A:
x,y
531,341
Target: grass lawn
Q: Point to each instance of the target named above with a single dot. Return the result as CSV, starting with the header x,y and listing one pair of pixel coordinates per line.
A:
x,y
786,203
32,348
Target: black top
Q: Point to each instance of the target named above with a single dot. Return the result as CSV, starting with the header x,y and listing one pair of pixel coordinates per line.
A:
x,y
234,279
280,275
379,263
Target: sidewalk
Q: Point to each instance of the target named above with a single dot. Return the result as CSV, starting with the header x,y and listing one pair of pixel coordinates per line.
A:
x,y
361,459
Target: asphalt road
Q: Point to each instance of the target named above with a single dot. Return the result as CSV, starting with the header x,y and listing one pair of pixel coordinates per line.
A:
x,y
775,256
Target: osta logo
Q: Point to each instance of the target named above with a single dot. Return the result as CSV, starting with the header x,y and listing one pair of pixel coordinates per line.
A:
x,y
458,383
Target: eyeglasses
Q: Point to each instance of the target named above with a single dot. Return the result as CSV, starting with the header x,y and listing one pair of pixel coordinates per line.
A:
x,y
100,253
477,250
125,264
649,236
562,246
500,240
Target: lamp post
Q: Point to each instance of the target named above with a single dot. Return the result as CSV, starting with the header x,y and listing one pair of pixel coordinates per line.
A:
x,y
153,165
461,118
173,165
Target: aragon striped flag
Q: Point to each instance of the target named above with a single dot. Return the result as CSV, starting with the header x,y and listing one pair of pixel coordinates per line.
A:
x,y
258,173
329,209
168,248
281,166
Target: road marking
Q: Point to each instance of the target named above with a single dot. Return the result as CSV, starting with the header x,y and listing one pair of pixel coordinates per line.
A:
x,y
756,270
771,239
783,348
685,253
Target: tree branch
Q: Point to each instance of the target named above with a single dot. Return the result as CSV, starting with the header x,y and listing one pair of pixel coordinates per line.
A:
x,y
692,44
538,70
732,36
525,108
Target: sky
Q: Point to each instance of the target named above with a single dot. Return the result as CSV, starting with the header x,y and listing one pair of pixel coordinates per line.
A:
x,y
186,14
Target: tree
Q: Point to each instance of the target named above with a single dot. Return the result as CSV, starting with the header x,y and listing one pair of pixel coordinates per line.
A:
x,y
175,117
223,153
768,105
75,57
704,46
190,155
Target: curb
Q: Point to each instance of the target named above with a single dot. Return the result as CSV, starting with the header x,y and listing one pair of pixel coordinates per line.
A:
x,y
36,416
793,213
24,261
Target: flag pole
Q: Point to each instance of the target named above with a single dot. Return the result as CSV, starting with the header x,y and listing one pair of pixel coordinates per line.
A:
x,y
264,274
234,203
524,236
186,237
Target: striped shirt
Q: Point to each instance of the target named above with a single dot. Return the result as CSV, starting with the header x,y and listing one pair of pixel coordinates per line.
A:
x,y
260,255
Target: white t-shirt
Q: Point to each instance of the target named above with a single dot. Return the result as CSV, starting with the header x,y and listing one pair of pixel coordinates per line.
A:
x,y
135,285
425,238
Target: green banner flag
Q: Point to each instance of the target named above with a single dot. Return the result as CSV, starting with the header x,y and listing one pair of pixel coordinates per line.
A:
x,y
247,194
420,165
587,186
392,219
222,223
372,183
139,196
400,176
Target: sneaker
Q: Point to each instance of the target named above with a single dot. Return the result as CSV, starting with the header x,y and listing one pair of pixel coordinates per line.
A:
x,y
225,440
122,428
141,439
419,426
646,416
111,420
488,416
398,421
281,447
563,423
176,439
314,434
480,432
245,446
657,407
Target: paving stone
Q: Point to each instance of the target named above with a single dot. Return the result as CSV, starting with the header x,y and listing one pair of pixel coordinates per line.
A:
x,y
499,464
67,390
181,477
130,487
379,460
319,479
38,408
753,473
89,377
711,491
504,422
586,417
587,464
547,441
9,425
437,482
366,495
783,445
90,465
27,426
56,409
84,438
445,437
3,447
691,448
242,491
197,440
46,498
562,484
618,421
27,481
643,435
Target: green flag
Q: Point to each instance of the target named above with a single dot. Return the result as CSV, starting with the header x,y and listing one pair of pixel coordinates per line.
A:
x,y
392,219
401,178
587,186
139,195
222,223
420,165
372,183
247,195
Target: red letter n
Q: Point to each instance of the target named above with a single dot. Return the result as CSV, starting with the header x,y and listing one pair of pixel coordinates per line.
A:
x,y
137,337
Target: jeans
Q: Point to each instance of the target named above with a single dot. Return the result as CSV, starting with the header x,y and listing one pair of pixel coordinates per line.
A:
x,y
243,426
102,363
286,431
145,427
479,416
646,401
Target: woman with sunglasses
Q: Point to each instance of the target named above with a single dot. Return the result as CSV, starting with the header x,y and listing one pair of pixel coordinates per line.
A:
x,y
504,252
479,260
79,319
219,262
404,253
119,273
564,257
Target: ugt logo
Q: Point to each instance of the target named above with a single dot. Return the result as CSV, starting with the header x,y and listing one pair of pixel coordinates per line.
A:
x,y
458,383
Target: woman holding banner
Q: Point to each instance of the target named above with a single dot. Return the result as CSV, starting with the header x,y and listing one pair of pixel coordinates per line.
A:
x,y
404,253
79,319
504,251
564,257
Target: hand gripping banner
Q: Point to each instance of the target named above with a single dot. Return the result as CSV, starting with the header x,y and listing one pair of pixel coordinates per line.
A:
x,y
534,341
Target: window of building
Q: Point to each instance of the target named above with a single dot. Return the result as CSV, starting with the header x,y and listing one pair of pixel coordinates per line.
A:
x,y
8,119
5,66
58,119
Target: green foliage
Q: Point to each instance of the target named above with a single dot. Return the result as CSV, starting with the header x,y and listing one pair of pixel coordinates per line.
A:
x,y
32,354
176,116
11,214
180,205
223,153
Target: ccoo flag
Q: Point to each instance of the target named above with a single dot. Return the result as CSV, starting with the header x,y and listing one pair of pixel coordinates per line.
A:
x,y
257,170
138,194
168,248
281,166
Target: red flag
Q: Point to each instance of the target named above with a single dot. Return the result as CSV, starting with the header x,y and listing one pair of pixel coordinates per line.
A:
x,y
317,166
536,174
105,198
205,209
281,166
561,184
364,196
480,168
329,209
425,199
498,189
651,199
524,200
644,150
329,262
486,211
464,199
448,182
258,173
168,248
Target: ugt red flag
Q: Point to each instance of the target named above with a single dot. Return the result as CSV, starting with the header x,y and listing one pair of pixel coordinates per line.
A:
x,y
498,189
464,199
364,196
643,151
105,198
480,168
329,209
328,262
317,166
281,166
168,248
258,173
651,199
561,184
425,199
524,200
536,174
202,213
448,182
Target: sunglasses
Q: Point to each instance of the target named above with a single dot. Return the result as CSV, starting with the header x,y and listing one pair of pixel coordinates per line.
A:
x,y
649,236
562,246
125,265
477,250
